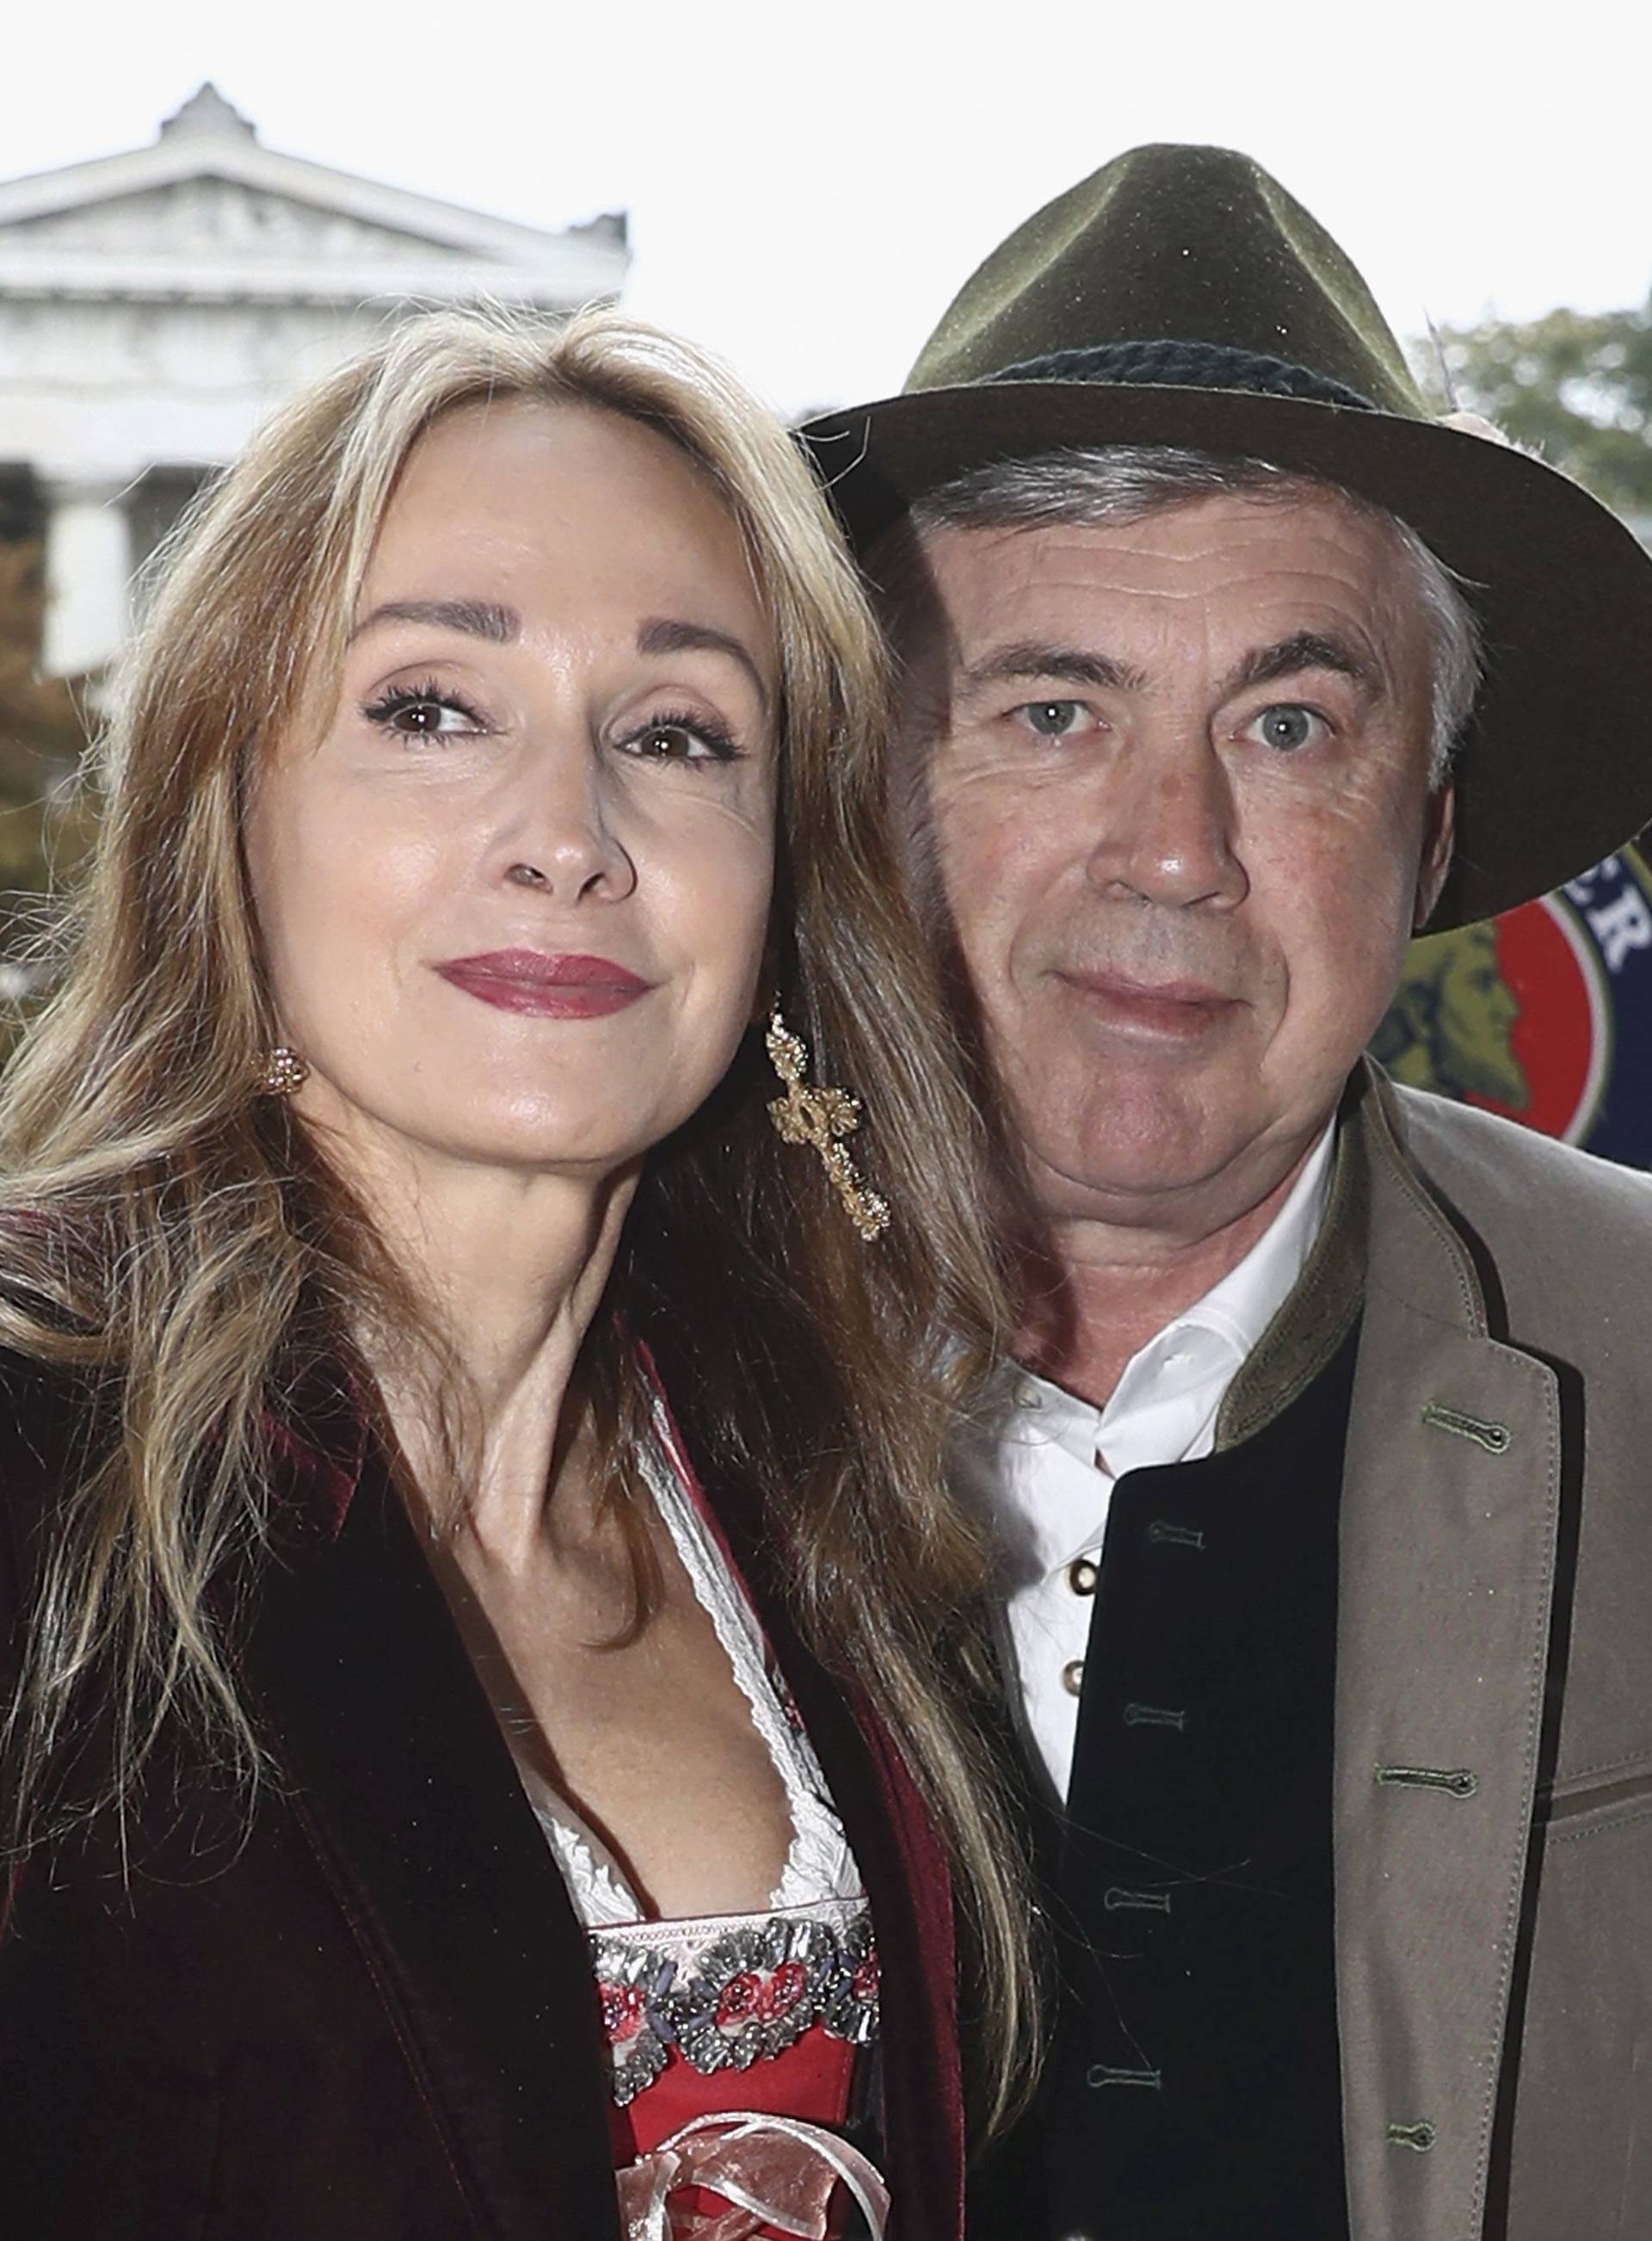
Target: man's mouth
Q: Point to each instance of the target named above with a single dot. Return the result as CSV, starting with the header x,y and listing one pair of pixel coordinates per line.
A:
x,y
1179,1010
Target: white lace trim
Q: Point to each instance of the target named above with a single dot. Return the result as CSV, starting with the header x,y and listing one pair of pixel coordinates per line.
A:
x,y
820,1865
682,1940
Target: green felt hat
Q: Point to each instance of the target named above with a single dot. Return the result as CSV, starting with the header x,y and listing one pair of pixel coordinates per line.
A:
x,y
1180,297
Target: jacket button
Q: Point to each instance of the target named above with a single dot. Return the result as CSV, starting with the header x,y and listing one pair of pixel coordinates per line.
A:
x,y
1072,1676
1081,1576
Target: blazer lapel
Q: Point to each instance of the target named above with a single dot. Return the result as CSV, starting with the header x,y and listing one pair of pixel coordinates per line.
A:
x,y
1448,1541
391,1757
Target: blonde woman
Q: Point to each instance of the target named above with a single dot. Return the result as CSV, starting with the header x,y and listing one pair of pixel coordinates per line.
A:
x,y
488,1747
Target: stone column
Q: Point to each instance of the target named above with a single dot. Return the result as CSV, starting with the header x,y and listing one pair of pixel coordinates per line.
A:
x,y
89,566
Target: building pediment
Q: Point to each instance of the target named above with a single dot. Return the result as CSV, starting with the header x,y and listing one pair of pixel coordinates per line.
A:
x,y
208,211
187,222
156,305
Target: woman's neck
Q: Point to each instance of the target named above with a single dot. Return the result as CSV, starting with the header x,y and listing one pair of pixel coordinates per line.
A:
x,y
510,1268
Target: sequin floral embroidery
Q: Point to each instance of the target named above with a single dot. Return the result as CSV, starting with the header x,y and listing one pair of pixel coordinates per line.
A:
x,y
629,1982
745,1994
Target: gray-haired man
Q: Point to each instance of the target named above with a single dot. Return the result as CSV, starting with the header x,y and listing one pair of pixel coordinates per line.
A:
x,y
1325,1558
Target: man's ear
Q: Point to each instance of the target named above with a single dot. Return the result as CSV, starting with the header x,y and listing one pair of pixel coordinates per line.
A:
x,y
1437,840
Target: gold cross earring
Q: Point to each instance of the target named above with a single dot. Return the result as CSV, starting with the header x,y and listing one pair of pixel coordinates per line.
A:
x,y
821,1117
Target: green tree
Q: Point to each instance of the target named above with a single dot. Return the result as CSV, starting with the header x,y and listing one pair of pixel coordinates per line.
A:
x,y
1576,386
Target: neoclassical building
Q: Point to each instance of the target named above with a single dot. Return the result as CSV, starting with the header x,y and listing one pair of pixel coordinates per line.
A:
x,y
155,304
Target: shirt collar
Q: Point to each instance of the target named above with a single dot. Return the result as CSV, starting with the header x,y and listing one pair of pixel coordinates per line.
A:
x,y
1165,1405
1239,1309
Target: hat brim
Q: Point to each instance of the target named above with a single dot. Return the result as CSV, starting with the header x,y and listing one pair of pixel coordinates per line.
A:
x,y
1555,772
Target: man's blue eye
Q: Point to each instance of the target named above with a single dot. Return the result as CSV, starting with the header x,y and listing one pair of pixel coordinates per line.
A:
x,y
1051,718
1287,727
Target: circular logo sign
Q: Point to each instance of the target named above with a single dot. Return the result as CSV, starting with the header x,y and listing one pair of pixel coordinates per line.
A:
x,y
1544,1015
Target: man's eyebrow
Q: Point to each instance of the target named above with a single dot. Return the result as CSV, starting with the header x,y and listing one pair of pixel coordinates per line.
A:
x,y
1309,649
1067,664
474,618
670,634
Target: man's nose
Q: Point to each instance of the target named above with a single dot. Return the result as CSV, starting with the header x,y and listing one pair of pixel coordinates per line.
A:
x,y
1167,823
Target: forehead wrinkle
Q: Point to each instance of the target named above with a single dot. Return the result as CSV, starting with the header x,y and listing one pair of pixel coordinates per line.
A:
x,y
1335,567
1066,573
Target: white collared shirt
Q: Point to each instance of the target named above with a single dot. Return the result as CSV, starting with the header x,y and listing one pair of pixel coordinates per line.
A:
x,y
1045,1474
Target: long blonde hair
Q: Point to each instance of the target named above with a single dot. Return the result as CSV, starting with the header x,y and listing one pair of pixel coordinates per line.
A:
x,y
180,1240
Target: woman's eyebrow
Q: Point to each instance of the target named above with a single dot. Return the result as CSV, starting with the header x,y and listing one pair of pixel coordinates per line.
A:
x,y
502,625
669,634
474,618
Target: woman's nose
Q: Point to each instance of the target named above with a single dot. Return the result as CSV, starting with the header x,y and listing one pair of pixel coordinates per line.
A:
x,y
558,834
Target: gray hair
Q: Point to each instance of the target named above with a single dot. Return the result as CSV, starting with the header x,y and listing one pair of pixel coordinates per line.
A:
x,y
1126,482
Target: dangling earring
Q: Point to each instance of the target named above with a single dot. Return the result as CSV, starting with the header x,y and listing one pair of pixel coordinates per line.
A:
x,y
821,1117
283,1072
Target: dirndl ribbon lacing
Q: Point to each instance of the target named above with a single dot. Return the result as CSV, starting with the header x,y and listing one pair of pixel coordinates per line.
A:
x,y
772,2172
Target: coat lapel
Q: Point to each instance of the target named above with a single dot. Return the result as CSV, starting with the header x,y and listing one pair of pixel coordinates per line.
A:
x,y
1448,1541
390,1756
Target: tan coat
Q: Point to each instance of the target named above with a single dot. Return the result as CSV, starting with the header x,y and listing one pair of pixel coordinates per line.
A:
x,y
1494,1776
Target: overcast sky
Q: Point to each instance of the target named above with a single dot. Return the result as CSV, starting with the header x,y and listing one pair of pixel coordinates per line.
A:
x,y
808,185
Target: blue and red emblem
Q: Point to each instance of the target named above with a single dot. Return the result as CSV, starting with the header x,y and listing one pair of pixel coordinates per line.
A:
x,y
1544,1015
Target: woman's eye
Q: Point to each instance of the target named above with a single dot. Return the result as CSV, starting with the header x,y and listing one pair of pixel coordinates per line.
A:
x,y
675,739
1287,727
424,715
1051,719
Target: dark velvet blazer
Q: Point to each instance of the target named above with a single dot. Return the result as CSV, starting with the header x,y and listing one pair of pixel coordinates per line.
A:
x,y
365,2012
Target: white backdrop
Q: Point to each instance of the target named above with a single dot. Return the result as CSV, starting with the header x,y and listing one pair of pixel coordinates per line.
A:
x,y
808,184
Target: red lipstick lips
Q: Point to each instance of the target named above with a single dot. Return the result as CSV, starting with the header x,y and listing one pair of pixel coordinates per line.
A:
x,y
546,987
